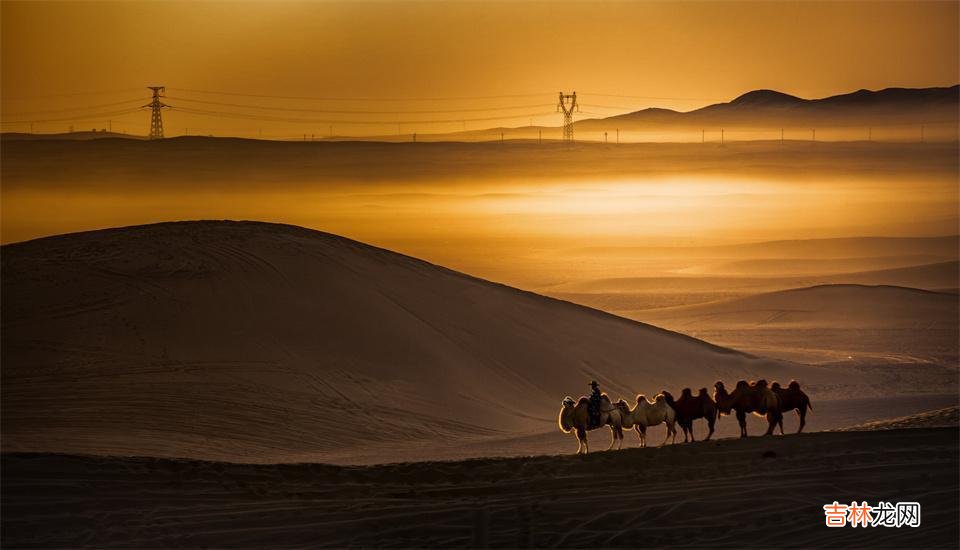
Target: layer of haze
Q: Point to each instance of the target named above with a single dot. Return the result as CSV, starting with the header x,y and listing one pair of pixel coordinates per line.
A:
x,y
542,224
676,55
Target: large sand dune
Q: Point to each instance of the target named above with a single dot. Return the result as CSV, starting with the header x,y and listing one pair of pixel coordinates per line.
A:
x,y
260,342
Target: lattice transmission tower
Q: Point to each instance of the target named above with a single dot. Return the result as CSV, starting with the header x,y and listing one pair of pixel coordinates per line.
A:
x,y
156,120
567,105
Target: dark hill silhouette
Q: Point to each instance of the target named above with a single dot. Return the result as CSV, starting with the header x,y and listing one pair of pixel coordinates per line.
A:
x,y
770,107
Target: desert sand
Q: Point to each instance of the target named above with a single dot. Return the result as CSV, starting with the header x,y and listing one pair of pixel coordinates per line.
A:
x,y
264,343
948,417
759,492
854,324
194,383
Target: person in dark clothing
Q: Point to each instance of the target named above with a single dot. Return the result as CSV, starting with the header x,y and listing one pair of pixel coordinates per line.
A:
x,y
594,405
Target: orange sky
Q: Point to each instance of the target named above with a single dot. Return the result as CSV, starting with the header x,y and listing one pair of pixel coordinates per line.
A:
x,y
703,51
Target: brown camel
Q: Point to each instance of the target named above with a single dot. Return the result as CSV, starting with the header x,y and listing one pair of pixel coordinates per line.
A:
x,y
792,398
575,416
689,408
754,398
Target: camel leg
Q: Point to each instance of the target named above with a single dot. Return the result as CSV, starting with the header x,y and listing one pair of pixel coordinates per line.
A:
x,y
710,423
642,430
619,438
771,423
582,438
802,412
671,430
742,420
777,419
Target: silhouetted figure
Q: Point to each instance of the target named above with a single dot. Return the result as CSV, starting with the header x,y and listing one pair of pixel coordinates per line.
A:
x,y
594,407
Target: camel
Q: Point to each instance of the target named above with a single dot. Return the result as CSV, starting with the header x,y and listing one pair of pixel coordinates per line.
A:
x,y
792,398
689,408
647,413
754,398
575,416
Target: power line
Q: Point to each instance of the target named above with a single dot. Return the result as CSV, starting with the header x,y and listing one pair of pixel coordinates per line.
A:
x,y
73,109
77,118
74,94
354,112
269,118
654,97
317,98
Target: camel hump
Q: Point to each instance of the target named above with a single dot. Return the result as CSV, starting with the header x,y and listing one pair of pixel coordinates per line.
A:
x,y
686,392
775,386
641,398
742,384
761,383
583,401
794,385
703,391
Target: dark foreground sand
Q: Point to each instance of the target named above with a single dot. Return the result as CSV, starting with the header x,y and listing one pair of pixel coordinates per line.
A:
x,y
760,492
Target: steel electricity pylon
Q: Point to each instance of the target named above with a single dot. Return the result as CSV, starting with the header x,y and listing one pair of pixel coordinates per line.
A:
x,y
156,120
567,105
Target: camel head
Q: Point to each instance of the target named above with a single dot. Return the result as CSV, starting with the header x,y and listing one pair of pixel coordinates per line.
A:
x,y
565,418
668,397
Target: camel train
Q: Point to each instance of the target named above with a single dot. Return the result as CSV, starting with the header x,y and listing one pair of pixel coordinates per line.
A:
x,y
769,402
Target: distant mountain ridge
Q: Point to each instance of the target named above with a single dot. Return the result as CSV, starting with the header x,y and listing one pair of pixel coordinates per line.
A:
x,y
760,106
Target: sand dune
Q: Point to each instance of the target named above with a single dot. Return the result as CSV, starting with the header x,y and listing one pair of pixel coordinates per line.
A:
x,y
628,295
258,342
865,325
805,266
827,306
948,417
759,493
